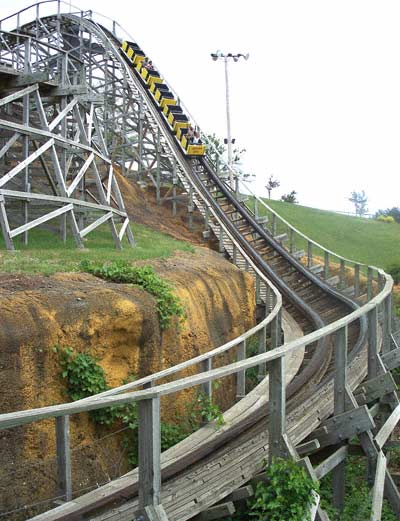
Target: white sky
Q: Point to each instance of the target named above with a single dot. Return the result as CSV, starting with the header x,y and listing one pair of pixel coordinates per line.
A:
x,y
318,102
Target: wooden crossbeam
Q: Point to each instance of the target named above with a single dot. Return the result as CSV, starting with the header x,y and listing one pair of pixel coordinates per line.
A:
x,y
387,428
40,220
391,359
344,426
377,493
80,174
375,388
17,95
58,119
96,223
219,511
331,462
21,166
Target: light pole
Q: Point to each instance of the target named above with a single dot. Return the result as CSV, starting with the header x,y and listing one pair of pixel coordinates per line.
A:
x,y
235,57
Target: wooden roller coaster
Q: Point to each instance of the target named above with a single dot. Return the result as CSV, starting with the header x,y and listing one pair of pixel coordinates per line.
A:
x,y
338,368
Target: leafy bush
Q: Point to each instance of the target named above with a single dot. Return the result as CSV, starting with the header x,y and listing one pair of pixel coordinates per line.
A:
x,y
287,494
385,219
394,271
168,304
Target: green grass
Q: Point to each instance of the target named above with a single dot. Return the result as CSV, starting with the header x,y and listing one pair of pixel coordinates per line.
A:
x,y
47,254
364,240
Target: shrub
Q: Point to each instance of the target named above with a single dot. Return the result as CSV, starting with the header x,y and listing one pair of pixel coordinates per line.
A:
x,y
287,494
394,271
385,219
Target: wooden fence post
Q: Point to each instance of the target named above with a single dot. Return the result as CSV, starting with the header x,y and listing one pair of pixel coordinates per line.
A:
x,y
149,452
340,382
63,457
207,386
241,375
277,408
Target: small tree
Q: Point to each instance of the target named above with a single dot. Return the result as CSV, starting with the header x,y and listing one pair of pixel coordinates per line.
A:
x,y
271,184
359,199
290,198
389,212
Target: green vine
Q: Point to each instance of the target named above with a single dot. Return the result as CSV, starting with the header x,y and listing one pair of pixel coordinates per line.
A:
x,y
286,494
168,304
85,377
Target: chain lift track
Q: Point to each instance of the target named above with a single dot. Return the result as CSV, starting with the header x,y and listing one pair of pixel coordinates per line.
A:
x,y
92,113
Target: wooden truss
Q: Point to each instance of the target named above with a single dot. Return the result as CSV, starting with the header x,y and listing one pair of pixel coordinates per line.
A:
x,y
54,161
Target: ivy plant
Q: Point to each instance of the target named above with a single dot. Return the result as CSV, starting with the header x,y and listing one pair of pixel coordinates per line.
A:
x,y
168,304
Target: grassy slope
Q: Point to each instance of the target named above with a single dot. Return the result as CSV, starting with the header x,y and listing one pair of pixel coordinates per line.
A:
x,y
47,254
364,240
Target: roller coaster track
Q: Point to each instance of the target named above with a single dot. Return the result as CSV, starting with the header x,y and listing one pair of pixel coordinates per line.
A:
x,y
211,464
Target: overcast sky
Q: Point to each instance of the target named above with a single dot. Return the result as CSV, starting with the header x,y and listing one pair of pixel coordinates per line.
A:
x,y
318,102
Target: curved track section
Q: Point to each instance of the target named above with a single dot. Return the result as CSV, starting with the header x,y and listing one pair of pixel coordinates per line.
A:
x,y
210,464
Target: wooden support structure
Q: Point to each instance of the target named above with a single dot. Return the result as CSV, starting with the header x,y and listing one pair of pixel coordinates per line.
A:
x,y
63,458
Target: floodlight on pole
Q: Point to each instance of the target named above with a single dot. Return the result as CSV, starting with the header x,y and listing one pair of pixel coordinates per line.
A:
x,y
215,56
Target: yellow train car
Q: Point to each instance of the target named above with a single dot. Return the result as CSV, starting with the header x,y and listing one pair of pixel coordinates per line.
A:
x,y
163,97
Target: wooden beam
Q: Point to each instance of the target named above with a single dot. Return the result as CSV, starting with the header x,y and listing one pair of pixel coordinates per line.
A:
x,y
63,458
391,359
375,388
27,79
155,513
377,493
305,448
17,95
344,426
149,453
40,220
217,512
331,462
387,428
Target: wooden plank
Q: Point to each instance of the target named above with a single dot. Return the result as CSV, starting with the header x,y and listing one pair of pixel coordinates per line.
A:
x,y
28,79
155,513
5,227
331,462
56,199
80,174
17,95
391,359
372,343
58,119
217,512
63,458
375,388
241,375
387,428
96,223
23,164
13,139
306,448
40,220
240,494
377,493
277,407
149,453
344,426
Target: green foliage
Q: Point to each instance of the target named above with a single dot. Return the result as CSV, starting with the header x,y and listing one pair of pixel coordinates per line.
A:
x,y
291,197
358,495
287,494
385,219
168,304
46,252
394,271
359,199
85,377
389,212
200,410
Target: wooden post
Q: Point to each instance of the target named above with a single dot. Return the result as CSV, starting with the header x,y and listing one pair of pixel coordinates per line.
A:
x,y
149,452
342,282
258,298
276,331
63,458
207,386
340,382
273,231
369,283
241,375
262,347
234,254
277,408
387,324
309,254
158,172
372,343
291,241
356,280
326,265
221,240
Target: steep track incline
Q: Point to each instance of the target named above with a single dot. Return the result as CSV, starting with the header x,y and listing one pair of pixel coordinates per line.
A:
x,y
207,467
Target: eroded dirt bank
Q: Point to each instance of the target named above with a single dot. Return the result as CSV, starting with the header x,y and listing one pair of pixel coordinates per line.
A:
x,y
119,325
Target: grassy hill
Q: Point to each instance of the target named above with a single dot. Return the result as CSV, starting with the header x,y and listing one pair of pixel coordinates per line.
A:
x,y
364,240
